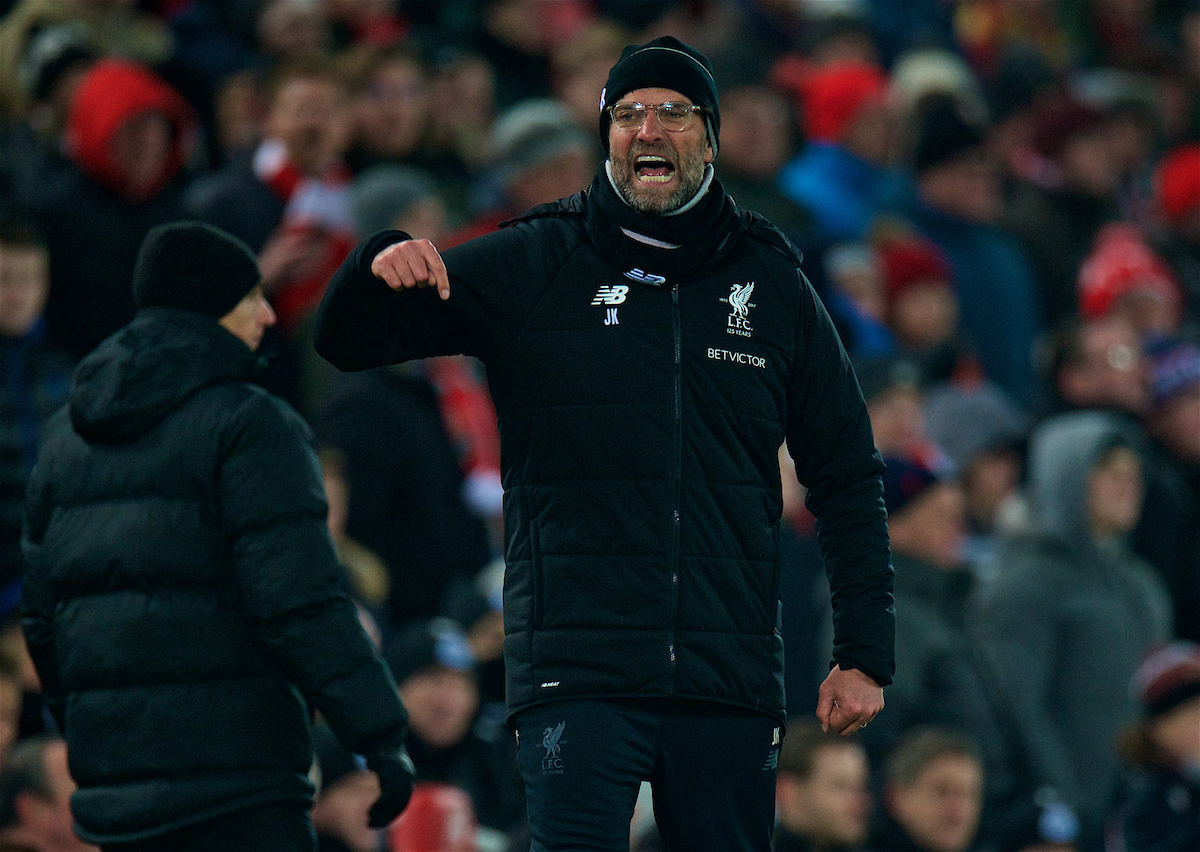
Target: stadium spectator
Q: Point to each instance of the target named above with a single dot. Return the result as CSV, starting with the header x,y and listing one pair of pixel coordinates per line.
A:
x,y
35,379
932,793
822,795
1159,807
1072,610
1057,223
1168,534
955,200
128,137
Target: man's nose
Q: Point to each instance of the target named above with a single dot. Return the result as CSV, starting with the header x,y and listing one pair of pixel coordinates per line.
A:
x,y
651,128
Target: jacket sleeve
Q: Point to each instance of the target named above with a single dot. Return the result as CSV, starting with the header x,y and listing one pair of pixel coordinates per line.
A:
x,y
273,510
829,436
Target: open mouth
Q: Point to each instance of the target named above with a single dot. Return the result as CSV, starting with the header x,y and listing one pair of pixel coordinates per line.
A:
x,y
650,168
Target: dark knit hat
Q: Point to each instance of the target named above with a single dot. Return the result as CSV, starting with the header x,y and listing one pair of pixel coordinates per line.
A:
x,y
943,133
428,644
1168,677
903,482
193,267
664,63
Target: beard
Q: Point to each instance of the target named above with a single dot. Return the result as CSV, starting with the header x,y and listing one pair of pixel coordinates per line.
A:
x,y
645,198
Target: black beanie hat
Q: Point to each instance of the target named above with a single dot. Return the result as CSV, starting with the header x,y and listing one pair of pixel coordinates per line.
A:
x,y
665,63
193,267
944,133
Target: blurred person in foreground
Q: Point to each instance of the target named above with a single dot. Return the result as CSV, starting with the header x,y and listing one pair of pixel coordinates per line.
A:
x,y
182,603
35,799
1159,807
822,798
649,347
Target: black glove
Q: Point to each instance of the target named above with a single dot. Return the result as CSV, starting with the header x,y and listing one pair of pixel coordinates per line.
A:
x,y
396,775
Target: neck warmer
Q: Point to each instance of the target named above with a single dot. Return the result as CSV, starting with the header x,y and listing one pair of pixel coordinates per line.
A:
x,y
665,249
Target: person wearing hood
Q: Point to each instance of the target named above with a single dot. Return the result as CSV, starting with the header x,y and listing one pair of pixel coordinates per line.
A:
x,y
183,603
127,139
649,347
1072,610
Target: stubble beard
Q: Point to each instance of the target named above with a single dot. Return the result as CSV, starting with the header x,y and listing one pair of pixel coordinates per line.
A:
x,y
642,197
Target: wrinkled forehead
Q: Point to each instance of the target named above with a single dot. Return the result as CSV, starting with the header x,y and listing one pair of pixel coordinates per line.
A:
x,y
654,95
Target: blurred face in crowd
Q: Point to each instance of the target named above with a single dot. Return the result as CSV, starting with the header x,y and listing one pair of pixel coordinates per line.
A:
x,y
832,805
441,704
924,314
1177,424
141,150
755,132
24,284
289,29
308,114
897,420
251,317
657,170
872,133
1089,162
988,481
557,177
1110,371
1176,734
393,108
1114,492
940,809
930,527
967,187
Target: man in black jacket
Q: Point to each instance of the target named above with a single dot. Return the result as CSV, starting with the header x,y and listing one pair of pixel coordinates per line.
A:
x,y
182,602
648,347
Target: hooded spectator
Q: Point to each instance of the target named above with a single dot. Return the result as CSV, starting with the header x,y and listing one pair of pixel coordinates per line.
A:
x,y
841,175
128,135
1072,610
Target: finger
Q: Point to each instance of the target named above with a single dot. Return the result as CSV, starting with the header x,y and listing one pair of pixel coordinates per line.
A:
x,y
434,269
440,276
825,710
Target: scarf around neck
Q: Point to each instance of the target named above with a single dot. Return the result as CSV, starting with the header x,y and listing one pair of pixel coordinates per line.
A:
x,y
663,249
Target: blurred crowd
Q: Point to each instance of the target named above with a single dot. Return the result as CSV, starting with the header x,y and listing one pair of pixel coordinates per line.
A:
x,y
999,204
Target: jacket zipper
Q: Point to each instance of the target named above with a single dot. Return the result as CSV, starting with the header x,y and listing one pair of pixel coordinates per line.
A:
x,y
678,482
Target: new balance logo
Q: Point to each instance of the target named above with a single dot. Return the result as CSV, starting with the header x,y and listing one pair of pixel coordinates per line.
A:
x,y
772,761
611,294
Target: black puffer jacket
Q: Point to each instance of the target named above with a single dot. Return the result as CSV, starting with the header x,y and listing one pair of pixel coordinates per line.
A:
x,y
182,598
639,425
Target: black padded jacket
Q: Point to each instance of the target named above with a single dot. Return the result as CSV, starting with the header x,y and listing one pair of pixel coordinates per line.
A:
x,y
182,599
640,422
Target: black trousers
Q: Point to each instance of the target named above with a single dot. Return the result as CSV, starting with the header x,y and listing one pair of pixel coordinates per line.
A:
x,y
711,770
267,828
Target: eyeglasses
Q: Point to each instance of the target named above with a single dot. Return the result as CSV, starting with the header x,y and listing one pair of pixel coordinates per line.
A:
x,y
672,116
